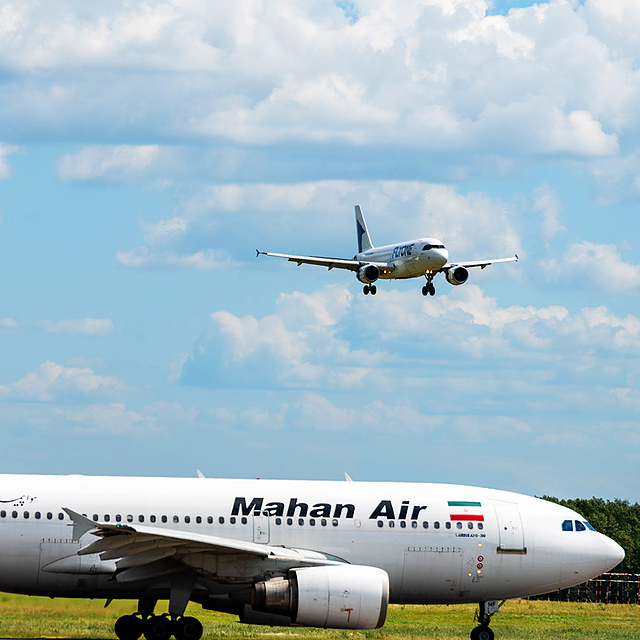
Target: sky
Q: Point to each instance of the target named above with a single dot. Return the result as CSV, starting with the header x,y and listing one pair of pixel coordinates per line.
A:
x,y
148,149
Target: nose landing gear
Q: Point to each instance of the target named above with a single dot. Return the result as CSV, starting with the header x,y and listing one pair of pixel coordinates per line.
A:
x,y
483,617
428,288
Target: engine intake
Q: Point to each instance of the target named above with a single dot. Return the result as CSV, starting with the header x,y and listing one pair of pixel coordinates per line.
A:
x,y
368,273
335,597
457,275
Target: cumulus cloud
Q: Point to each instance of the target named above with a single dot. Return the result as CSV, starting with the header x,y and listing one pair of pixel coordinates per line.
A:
x,y
601,264
545,79
51,380
5,169
79,327
112,163
99,419
144,257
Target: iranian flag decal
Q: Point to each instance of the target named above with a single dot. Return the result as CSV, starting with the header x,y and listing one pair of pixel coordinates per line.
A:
x,y
465,510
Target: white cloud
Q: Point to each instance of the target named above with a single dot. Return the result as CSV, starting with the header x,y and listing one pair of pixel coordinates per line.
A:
x,y
118,163
51,380
112,418
547,203
5,151
598,265
79,327
147,258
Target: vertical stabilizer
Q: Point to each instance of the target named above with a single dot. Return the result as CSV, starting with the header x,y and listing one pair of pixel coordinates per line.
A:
x,y
364,241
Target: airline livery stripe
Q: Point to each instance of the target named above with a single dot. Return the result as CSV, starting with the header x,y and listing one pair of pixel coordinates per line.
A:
x,y
463,503
467,517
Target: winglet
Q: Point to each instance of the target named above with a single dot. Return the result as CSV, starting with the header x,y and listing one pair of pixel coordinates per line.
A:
x,y
347,477
200,474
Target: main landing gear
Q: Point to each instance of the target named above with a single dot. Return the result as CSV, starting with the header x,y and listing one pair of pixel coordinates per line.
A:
x,y
483,617
154,627
369,288
428,288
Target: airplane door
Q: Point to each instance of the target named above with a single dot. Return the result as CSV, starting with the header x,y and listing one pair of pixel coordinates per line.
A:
x,y
510,528
261,529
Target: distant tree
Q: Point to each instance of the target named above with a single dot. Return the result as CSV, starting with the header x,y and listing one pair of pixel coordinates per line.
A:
x,y
617,519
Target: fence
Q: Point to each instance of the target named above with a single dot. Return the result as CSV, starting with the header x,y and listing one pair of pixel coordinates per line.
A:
x,y
609,588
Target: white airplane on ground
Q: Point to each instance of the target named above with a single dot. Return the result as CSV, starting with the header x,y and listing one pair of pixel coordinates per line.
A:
x,y
276,552
415,258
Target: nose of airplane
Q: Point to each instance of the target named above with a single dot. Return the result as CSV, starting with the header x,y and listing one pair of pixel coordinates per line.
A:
x,y
444,255
615,554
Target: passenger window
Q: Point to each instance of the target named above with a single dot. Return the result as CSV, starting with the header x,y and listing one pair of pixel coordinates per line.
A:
x,y
392,523
567,525
323,522
49,515
334,522
26,516
459,525
118,517
469,525
580,526
107,517
403,524
480,526
14,514
164,519
210,519
95,517
198,519
301,521
187,519
61,516
312,522
448,525
140,518
221,519
244,520
152,518
425,525
278,521
129,518
3,514
436,525
176,519
414,524
37,514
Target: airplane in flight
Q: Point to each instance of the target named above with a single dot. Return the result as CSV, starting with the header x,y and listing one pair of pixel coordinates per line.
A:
x,y
412,259
280,552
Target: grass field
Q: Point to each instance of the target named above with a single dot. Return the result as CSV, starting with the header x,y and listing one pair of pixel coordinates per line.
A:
x,y
31,617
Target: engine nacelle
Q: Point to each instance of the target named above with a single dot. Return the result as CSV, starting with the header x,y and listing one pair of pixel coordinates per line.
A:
x,y
334,597
368,273
457,275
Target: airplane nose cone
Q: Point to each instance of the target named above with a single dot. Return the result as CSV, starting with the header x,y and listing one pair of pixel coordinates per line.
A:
x,y
615,554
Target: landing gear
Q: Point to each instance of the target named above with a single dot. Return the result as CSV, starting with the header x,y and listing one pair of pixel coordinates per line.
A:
x,y
154,627
370,288
428,288
483,617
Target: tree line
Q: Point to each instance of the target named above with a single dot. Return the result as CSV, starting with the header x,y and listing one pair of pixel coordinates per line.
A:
x,y
617,519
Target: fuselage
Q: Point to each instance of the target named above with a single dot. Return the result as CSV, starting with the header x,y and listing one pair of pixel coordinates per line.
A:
x,y
409,259
438,543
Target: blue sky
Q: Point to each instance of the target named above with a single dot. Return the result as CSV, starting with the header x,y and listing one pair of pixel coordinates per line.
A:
x,y
146,151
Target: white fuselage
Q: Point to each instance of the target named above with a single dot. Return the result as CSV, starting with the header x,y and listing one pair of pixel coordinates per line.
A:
x,y
438,543
410,259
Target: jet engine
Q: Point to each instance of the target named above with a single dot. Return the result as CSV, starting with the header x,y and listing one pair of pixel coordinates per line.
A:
x,y
368,273
330,597
457,275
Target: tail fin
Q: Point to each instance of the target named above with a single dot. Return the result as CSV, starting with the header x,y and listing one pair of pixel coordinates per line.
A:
x,y
364,241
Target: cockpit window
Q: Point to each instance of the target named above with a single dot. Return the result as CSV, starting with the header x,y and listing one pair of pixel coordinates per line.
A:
x,y
432,246
580,526
586,524
567,525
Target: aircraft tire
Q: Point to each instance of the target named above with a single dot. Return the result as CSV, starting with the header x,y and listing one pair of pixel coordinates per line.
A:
x,y
425,290
373,289
432,290
365,289
158,628
482,632
128,627
187,628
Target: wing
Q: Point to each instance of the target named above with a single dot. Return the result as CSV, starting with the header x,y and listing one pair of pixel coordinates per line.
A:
x,y
479,263
136,552
330,263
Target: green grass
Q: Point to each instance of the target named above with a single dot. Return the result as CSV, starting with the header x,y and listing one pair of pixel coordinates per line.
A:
x,y
35,617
